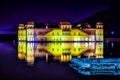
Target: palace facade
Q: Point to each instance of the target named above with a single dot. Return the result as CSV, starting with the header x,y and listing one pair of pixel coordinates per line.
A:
x,y
65,32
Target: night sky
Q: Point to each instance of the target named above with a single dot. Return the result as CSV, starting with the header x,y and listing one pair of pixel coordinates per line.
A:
x,y
13,12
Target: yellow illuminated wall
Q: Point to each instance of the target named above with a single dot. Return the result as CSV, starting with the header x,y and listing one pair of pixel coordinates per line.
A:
x,y
30,31
22,35
99,31
99,35
30,34
72,35
64,33
21,32
78,35
54,35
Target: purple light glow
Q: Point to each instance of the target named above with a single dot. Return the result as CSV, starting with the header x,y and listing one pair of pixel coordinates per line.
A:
x,y
45,11
8,32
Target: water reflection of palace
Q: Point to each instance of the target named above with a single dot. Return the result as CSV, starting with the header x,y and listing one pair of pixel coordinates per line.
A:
x,y
63,52
83,41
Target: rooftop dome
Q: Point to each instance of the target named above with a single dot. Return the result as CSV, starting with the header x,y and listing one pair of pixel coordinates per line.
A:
x,y
30,22
65,23
21,25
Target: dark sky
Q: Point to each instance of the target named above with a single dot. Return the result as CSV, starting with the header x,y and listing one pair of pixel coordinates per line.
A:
x,y
13,12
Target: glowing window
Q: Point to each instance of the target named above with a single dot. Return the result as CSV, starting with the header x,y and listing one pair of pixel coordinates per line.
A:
x,y
82,39
75,44
86,39
89,39
90,44
86,44
75,39
78,39
66,33
78,44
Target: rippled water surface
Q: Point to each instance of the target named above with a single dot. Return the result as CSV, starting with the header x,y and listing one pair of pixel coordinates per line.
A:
x,y
13,68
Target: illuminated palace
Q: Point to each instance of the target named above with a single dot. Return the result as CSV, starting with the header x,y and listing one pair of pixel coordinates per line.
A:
x,y
85,41
65,32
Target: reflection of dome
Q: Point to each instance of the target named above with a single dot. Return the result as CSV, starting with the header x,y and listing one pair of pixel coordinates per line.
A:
x,y
21,56
99,23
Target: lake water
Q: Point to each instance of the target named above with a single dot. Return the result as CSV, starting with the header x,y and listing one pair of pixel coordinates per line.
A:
x,y
15,69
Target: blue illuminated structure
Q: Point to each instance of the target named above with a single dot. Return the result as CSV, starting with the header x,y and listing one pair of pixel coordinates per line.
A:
x,y
96,66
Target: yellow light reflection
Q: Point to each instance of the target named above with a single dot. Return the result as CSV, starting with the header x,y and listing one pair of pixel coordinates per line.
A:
x,y
66,50
60,51
99,50
21,50
30,53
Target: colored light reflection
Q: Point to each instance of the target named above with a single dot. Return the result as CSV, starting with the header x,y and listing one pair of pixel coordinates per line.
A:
x,y
99,66
22,50
61,51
